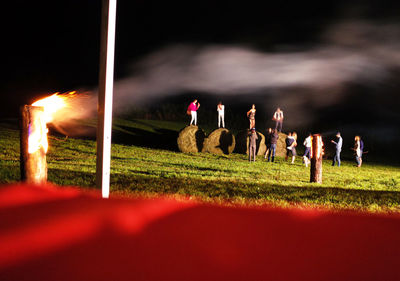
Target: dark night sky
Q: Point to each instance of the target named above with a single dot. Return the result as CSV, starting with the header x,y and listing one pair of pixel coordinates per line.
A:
x,y
54,45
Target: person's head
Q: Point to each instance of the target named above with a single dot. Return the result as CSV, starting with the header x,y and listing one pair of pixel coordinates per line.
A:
x,y
269,130
253,106
220,103
278,109
275,131
309,134
195,101
290,134
357,138
338,134
253,130
294,135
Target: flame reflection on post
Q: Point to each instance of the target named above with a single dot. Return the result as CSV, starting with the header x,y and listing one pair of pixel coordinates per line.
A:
x,y
317,151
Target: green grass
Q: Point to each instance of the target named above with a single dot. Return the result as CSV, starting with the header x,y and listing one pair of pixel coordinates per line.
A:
x,y
212,178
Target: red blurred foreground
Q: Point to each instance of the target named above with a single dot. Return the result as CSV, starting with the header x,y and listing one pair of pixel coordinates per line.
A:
x,y
49,233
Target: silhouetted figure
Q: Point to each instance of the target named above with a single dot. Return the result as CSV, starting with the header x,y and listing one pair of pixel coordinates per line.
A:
x,y
268,141
252,144
338,148
278,118
291,143
273,141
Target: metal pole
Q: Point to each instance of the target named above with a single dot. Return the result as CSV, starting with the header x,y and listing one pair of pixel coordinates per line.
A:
x,y
106,80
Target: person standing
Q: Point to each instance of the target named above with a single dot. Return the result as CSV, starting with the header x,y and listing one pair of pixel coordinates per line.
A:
x,y
358,147
278,118
251,114
268,142
252,144
307,151
193,107
221,114
338,148
274,141
291,144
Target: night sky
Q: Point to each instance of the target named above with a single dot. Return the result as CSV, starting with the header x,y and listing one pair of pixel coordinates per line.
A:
x,y
53,46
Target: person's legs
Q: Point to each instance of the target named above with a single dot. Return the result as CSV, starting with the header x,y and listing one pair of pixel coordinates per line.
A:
x,y
338,158
193,116
273,148
223,120
280,126
219,120
254,153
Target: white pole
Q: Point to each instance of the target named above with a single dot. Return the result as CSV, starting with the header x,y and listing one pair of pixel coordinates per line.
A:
x,y
106,80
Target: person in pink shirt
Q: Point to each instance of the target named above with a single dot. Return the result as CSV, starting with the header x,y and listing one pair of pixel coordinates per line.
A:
x,y
193,107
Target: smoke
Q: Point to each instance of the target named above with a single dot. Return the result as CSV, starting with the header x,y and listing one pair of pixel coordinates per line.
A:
x,y
351,52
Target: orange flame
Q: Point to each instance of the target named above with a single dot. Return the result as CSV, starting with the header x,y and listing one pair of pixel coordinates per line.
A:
x,y
53,104
38,129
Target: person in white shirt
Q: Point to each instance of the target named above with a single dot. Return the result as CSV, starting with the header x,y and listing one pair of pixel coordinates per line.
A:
x,y
307,151
278,118
221,114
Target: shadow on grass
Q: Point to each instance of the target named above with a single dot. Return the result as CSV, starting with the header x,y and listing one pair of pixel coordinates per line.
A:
x,y
226,190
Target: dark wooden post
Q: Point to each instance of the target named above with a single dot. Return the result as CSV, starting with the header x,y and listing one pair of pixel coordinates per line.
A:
x,y
33,145
316,159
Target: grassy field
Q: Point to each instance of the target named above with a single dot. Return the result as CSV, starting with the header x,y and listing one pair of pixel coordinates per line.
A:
x,y
159,169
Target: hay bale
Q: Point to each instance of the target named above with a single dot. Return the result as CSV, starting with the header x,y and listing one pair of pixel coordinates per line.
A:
x,y
281,145
220,141
242,143
191,139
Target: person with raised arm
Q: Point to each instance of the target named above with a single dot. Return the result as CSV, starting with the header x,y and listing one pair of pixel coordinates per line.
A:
x,y
338,148
192,109
221,114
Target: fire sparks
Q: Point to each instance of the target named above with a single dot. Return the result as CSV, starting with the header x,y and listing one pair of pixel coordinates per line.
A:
x,y
53,104
38,128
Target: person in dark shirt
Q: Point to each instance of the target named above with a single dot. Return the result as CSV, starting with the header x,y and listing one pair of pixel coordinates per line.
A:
x,y
252,144
291,143
338,148
268,141
273,141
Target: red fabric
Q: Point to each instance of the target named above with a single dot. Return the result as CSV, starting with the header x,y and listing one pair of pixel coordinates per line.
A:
x,y
50,233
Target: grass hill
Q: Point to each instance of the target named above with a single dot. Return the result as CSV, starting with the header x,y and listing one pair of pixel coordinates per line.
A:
x,y
145,162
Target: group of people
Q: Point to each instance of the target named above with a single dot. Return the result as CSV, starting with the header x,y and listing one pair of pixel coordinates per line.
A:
x,y
273,136
277,117
251,115
358,149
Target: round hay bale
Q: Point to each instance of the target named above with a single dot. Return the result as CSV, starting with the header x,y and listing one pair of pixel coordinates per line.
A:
x,y
191,139
242,143
281,145
220,141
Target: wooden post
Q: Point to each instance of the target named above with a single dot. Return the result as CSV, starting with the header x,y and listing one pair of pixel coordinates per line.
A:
x,y
106,79
33,138
316,159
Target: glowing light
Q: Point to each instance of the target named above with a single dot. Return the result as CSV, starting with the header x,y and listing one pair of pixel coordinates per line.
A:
x,y
38,128
53,104
37,135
